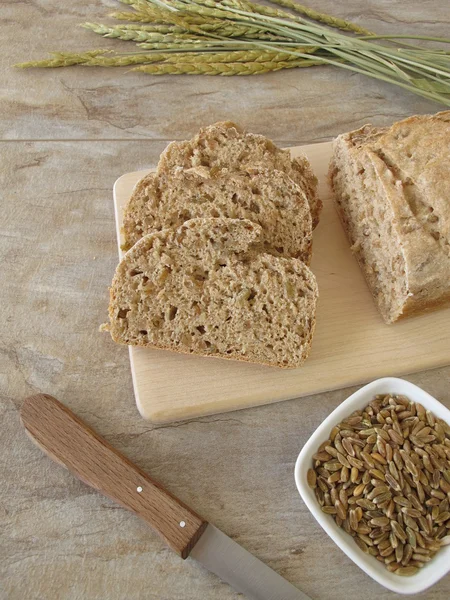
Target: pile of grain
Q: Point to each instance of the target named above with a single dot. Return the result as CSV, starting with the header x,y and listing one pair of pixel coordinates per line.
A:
x,y
384,476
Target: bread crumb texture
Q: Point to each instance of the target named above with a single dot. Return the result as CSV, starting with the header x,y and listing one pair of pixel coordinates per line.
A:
x,y
210,288
225,145
269,198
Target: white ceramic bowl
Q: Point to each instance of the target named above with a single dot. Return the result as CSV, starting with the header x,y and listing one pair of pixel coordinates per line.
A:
x,y
440,564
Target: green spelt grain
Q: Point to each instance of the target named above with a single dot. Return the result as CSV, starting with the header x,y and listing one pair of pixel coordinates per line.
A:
x,y
322,18
63,59
131,16
108,59
224,69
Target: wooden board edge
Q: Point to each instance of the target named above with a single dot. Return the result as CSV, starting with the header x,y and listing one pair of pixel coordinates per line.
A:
x,y
161,417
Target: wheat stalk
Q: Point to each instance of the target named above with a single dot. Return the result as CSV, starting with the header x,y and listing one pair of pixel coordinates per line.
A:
x,y
135,35
131,16
224,69
246,56
360,56
162,33
217,10
168,28
199,35
63,59
322,18
105,58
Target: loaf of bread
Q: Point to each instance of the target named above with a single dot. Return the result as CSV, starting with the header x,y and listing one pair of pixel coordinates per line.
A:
x,y
224,145
209,288
268,198
392,192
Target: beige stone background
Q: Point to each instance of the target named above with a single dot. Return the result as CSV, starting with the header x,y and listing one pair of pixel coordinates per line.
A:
x,y
65,137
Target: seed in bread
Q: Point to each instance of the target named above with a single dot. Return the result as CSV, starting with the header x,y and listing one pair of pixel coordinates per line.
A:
x,y
392,192
269,198
209,288
225,145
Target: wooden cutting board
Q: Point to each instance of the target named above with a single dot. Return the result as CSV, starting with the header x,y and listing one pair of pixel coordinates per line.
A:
x,y
351,345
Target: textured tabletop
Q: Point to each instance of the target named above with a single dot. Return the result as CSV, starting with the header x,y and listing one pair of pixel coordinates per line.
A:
x,y
65,136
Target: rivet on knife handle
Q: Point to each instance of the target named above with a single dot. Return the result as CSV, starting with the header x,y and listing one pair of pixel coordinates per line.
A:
x,y
70,442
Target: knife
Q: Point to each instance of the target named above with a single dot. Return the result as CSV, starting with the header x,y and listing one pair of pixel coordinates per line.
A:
x,y
73,444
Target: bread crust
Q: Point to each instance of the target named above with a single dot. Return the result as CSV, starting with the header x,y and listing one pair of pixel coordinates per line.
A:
x,y
237,357
411,163
225,143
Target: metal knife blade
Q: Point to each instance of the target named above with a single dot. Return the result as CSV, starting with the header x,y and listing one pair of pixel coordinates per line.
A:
x,y
243,571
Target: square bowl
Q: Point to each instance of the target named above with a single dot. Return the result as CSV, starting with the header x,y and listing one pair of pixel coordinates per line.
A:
x,y
439,566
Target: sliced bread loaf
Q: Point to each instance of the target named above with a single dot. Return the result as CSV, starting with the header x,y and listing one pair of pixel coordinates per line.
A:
x,y
225,145
269,198
392,192
208,288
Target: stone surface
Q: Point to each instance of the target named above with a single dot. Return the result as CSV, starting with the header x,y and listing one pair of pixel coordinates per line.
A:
x,y
65,136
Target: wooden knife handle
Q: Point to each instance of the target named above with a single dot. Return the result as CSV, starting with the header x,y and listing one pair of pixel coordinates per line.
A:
x,y
70,442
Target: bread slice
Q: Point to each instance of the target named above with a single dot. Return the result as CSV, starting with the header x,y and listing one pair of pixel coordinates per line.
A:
x,y
392,191
269,198
208,288
226,145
